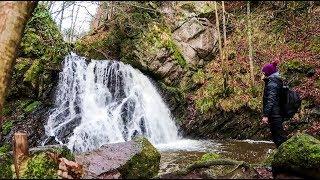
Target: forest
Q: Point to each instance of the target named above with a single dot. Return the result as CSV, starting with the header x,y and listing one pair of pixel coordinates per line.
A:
x,y
159,89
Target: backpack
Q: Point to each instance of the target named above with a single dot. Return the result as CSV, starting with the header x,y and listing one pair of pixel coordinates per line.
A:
x,y
291,102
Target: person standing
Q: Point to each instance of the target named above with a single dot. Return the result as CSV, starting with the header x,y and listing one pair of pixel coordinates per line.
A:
x,y
271,102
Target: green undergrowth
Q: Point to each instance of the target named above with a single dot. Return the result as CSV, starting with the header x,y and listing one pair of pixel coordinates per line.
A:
x,y
40,166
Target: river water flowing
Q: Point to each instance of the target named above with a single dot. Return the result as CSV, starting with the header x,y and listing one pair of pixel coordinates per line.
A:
x,y
101,102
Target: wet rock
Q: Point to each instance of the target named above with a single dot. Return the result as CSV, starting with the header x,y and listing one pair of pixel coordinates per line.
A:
x,y
299,155
133,159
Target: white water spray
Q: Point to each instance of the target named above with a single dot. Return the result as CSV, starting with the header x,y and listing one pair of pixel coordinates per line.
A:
x,y
107,102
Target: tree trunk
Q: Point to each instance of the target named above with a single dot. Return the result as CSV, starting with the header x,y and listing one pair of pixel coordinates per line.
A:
x,y
20,150
74,23
250,44
71,25
225,68
62,11
220,46
14,15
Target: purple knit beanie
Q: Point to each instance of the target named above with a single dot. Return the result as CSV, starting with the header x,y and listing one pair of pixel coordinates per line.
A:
x,y
269,69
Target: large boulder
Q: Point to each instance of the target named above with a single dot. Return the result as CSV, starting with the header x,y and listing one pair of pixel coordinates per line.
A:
x,y
133,159
300,155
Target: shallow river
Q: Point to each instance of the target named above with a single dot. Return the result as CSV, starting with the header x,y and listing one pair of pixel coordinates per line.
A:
x,y
178,154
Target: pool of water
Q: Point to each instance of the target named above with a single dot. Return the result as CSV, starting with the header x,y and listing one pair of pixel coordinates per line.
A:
x,y
179,154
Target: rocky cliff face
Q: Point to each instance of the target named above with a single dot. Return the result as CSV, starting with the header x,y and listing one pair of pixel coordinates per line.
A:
x,y
175,43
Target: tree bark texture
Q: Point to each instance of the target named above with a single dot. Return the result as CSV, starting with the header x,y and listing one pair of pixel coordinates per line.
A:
x,y
14,16
20,149
250,45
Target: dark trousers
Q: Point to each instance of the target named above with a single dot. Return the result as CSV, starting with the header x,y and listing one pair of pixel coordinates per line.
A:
x,y
277,131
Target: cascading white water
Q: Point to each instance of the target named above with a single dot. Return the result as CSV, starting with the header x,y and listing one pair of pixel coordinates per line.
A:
x,y
107,102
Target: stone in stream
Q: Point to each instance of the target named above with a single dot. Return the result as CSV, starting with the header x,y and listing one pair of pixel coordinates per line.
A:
x,y
133,159
299,155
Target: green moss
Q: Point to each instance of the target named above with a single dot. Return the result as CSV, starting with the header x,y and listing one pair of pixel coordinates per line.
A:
x,y
296,66
24,103
40,166
22,65
33,73
5,166
177,55
315,44
42,38
176,92
268,160
209,95
210,156
189,6
144,165
4,148
301,153
318,83
64,152
6,110
208,7
294,71
6,127
33,106
204,104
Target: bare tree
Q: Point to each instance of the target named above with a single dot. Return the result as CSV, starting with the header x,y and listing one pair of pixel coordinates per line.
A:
x,y
250,44
13,18
220,47
62,12
225,73
74,23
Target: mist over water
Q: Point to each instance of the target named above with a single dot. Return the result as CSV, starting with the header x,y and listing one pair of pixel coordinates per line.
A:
x,y
107,102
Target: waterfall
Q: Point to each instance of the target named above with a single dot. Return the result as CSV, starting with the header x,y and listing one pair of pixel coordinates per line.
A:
x,y
106,102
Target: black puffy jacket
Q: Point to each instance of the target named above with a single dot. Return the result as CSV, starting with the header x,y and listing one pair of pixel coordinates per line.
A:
x,y
271,97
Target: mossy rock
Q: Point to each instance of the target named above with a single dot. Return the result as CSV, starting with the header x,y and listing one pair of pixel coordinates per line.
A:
x,y
210,156
5,166
268,160
142,165
300,154
40,166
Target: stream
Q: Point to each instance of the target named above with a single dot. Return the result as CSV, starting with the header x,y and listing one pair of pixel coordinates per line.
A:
x,y
179,154
102,102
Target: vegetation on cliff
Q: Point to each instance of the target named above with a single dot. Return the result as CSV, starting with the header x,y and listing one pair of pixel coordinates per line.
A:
x,y
35,73
149,38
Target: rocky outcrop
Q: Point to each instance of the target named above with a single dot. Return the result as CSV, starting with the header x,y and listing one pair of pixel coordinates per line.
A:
x,y
130,160
197,38
299,155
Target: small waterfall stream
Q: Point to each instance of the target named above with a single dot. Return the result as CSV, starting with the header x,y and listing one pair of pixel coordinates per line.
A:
x,y
106,102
